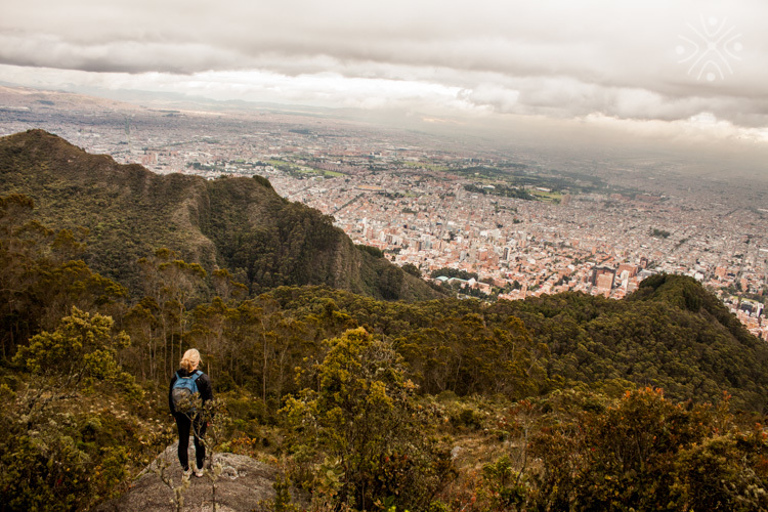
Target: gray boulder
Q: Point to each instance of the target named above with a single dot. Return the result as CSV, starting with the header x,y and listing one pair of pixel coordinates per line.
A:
x,y
241,483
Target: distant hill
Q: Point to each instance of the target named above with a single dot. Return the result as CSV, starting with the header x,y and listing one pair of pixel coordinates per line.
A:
x,y
240,224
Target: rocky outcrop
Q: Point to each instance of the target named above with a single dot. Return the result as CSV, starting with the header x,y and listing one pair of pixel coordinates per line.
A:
x,y
239,224
241,484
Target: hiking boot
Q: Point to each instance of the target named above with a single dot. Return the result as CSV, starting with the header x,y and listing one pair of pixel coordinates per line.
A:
x,y
186,474
199,472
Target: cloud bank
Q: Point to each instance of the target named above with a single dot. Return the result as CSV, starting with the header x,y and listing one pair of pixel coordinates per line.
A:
x,y
641,61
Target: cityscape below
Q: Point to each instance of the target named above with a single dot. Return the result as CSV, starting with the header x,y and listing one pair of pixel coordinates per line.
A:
x,y
476,219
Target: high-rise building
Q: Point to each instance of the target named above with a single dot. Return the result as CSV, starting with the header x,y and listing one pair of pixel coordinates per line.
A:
x,y
630,269
600,271
605,283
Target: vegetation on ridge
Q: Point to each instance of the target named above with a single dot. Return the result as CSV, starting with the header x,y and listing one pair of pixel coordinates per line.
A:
x,y
240,224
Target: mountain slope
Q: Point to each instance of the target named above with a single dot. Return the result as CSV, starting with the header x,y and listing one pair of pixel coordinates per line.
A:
x,y
236,223
569,340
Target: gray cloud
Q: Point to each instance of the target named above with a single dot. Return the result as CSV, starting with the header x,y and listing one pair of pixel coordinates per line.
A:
x,y
555,58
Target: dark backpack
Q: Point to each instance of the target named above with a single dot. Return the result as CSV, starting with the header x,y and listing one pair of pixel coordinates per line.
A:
x,y
184,392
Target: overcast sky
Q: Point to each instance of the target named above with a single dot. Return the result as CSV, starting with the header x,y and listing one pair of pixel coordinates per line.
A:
x,y
672,67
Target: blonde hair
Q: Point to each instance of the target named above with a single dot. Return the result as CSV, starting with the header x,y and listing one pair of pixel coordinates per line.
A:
x,y
191,360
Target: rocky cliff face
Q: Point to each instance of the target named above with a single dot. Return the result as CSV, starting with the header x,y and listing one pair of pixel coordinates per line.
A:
x,y
240,224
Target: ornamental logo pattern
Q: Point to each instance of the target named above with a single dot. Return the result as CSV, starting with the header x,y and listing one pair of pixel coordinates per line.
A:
x,y
709,49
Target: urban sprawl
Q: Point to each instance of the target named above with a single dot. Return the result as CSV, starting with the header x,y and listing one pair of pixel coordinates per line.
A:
x,y
506,227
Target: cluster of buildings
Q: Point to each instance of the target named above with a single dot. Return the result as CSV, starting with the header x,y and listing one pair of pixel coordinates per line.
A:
x,y
596,244
406,199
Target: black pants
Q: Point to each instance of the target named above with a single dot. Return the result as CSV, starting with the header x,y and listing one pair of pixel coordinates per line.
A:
x,y
184,425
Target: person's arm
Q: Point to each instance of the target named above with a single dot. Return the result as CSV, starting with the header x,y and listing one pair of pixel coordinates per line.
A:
x,y
205,389
170,394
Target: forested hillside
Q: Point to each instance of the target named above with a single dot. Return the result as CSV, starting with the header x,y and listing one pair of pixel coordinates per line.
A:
x,y
564,402
238,224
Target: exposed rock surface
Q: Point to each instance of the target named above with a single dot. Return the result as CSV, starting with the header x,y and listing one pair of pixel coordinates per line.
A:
x,y
241,485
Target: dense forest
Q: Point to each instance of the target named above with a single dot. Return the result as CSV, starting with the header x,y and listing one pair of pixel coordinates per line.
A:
x,y
564,402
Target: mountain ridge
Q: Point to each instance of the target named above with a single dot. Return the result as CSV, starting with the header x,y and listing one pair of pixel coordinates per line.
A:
x,y
240,224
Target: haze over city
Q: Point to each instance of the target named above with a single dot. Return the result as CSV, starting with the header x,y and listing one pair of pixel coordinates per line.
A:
x,y
678,76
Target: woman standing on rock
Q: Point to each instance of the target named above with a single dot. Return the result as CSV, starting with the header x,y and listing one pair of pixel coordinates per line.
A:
x,y
189,392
